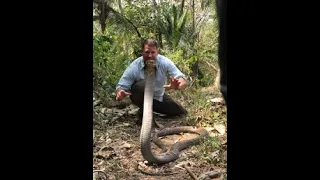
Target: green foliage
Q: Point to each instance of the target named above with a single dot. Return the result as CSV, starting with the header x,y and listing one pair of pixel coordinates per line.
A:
x,y
209,145
170,24
140,15
109,61
207,50
183,62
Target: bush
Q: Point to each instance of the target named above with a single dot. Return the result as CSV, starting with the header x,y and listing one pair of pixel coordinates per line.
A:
x,y
109,62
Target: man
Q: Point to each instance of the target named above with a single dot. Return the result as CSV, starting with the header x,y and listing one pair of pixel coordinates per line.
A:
x,y
132,82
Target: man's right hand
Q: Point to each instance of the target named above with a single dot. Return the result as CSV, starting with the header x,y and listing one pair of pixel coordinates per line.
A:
x,y
121,94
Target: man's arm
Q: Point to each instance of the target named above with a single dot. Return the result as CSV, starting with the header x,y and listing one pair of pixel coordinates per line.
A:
x,y
124,84
178,77
176,84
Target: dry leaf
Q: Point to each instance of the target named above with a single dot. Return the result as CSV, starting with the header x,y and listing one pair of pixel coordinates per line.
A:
x,y
96,102
216,100
108,141
180,164
126,124
220,128
214,154
133,111
103,110
125,145
119,145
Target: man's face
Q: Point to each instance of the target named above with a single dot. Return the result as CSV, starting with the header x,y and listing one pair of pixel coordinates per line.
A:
x,y
149,52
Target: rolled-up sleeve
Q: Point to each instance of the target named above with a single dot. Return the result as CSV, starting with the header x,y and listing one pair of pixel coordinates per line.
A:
x,y
126,79
174,71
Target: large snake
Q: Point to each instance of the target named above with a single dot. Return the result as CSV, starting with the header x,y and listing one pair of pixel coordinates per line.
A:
x,y
147,125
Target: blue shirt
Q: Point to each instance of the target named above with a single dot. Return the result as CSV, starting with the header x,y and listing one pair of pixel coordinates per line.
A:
x,y
135,72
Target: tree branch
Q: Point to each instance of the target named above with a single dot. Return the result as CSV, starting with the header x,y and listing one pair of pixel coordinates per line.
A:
x,y
121,16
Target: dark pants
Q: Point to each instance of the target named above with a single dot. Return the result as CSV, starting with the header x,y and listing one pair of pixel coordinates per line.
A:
x,y
168,106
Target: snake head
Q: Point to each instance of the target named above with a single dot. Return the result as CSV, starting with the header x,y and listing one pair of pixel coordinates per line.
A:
x,y
150,66
151,63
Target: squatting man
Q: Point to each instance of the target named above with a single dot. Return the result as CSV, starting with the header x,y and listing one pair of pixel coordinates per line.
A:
x,y
132,82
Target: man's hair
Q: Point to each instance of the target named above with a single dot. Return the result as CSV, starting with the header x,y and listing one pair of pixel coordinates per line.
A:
x,y
150,42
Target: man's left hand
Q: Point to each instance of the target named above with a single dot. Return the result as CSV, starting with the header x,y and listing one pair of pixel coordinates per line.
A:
x,y
176,84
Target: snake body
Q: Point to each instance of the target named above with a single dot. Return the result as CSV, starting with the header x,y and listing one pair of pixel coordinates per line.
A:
x,y
147,121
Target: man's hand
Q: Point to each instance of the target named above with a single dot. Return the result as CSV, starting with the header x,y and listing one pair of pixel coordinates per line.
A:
x,y
176,84
121,94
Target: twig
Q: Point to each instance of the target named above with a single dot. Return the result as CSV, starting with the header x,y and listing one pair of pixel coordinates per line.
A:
x,y
189,171
192,82
212,66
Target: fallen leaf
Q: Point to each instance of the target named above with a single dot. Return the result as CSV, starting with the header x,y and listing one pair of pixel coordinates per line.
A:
x,y
119,111
220,128
179,165
125,145
214,154
115,118
108,141
106,148
105,154
119,145
96,102
133,111
213,134
209,128
126,124
216,100
103,110
100,163
109,111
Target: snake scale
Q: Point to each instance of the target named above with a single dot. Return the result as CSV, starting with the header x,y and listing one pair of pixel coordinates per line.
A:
x,y
147,121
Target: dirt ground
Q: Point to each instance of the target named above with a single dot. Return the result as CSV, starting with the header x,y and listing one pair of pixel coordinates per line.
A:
x,y
116,149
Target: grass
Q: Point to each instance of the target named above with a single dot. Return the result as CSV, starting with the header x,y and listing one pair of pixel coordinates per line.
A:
x,y
204,113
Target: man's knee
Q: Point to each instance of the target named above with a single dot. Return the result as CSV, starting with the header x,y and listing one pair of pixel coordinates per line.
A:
x,y
180,109
138,87
137,92
183,111
170,107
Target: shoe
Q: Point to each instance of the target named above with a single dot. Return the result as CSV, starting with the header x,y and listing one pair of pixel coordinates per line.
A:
x,y
160,115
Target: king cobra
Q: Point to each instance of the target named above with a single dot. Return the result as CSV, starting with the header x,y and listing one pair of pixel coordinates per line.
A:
x,y
147,122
